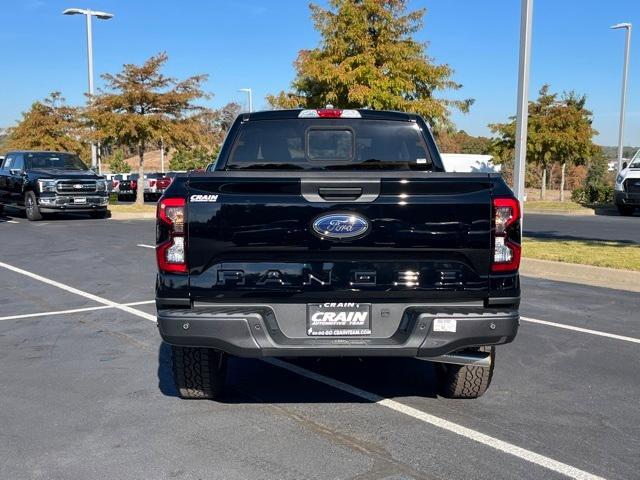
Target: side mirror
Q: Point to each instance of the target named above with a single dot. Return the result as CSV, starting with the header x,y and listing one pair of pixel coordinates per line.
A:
x,y
15,171
624,165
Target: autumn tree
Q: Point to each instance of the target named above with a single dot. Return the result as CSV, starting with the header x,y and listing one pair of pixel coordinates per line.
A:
x,y
368,57
117,164
226,116
192,159
462,142
141,105
4,138
559,130
50,125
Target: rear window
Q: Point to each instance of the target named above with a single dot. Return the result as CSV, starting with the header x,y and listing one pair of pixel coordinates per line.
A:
x,y
329,144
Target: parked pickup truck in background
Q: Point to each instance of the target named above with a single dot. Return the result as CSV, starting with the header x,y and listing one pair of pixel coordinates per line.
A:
x,y
155,185
51,182
336,233
627,188
128,186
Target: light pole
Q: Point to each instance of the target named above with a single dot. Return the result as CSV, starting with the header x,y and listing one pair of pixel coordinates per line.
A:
x,y
623,102
162,154
249,94
522,115
102,16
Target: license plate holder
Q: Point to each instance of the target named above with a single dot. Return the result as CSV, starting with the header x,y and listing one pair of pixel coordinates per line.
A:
x,y
336,319
80,200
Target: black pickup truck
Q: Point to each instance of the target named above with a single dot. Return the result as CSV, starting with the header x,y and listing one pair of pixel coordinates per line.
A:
x,y
51,182
336,233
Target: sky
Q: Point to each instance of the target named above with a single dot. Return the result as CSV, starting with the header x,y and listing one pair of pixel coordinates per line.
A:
x,y
252,44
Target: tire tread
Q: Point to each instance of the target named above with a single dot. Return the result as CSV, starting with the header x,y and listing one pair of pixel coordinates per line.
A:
x,y
467,381
199,373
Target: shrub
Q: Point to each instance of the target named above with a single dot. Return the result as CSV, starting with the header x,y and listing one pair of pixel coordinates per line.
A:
x,y
593,194
117,164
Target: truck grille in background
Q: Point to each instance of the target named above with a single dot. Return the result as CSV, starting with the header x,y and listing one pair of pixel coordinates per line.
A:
x,y
632,185
76,186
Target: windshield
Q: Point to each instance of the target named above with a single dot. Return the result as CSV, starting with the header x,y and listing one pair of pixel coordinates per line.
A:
x,y
635,161
52,160
329,144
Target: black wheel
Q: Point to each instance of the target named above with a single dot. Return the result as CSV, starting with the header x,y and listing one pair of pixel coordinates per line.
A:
x,y
198,372
98,214
625,210
31,207
466,381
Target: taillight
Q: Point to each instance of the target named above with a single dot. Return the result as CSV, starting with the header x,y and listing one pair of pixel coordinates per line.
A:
x,y
506,239
134,184
115,183
152,183
171,250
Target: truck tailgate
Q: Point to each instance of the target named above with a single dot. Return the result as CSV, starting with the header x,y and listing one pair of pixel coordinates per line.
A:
x,y
251,235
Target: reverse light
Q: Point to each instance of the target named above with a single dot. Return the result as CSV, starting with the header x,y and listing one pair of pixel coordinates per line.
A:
x,y
329,113
506,245
171,253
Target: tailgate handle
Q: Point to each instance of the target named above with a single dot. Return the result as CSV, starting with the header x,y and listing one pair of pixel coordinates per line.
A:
x,y
354,189
340,193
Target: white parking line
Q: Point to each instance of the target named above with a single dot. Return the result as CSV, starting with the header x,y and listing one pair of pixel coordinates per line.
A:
x,y
90,296
580,329
474,435
74,310
452,427
146,246
57,312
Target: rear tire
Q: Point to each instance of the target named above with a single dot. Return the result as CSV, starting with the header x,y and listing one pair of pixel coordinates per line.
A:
x,y
31,207
625,210
199,373
466,381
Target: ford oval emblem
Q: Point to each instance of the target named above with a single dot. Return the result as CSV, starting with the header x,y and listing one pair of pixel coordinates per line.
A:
x,y
340,225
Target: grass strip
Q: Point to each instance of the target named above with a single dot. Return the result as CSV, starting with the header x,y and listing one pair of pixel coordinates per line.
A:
x,y
625,256
133,208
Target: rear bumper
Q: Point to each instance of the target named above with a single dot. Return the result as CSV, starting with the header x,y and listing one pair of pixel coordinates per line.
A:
x,y
624,198
279,330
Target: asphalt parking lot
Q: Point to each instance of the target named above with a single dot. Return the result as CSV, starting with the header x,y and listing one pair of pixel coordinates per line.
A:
x,y
584,227
86,390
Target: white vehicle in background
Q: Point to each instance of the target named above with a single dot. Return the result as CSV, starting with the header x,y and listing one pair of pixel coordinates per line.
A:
x,y
627,189
471,163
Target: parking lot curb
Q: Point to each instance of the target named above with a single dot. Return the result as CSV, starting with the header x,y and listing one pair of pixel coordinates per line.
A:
x,y
570,213
626,280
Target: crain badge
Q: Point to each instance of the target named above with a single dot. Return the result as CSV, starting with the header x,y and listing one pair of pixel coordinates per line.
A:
x,y
203,198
